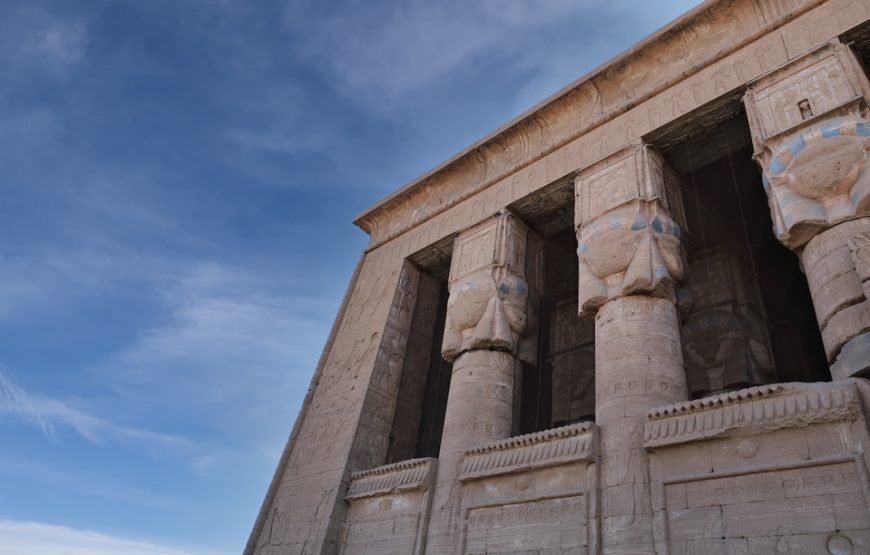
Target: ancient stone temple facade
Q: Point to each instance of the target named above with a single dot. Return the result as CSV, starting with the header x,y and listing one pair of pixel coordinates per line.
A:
x,y
635,319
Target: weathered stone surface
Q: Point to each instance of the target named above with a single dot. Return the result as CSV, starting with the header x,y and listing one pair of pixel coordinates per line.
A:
x,y
389,509
528,452
639,365
779,468
496,269
629,243
782,471
533,493
489,291
812,140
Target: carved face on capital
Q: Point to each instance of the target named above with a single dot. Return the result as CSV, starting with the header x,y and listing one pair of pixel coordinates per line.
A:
x,y
819,178
486,310
829,167
629,251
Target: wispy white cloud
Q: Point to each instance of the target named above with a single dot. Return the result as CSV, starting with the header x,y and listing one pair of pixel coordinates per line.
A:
x,y
382,51
227,340
37,538
49,414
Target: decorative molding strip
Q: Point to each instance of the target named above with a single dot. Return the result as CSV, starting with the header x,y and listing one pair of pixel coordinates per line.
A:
x,y
392,478
768,407
576,442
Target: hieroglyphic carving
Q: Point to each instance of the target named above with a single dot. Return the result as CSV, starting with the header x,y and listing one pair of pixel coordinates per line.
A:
x,y
388,509
798,509
326,445
553,525
859,248
527,168
755,58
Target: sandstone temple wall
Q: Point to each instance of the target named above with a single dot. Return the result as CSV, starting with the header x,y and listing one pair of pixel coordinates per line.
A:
x,y
778,467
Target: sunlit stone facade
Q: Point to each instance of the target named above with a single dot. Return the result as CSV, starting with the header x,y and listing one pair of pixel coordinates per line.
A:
x,y
634,320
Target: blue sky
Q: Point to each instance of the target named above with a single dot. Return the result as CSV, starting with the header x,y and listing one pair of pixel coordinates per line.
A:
x,y
178,183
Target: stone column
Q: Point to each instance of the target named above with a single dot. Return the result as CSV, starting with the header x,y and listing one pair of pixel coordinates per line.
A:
x,y
630,257
811,136
485,336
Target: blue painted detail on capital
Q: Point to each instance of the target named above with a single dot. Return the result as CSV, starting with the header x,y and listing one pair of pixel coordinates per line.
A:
x,y
660,271
504,288
639,223
787,198
796,145
862,129
675,230
830,130
657,224
522,288
615,223
776,166
583,248
766,183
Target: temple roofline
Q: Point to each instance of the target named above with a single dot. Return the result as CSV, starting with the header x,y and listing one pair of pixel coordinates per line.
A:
x,y
510,132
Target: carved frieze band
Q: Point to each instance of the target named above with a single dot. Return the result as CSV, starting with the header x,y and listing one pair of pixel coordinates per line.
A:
x,y
577,442
402,476
767,408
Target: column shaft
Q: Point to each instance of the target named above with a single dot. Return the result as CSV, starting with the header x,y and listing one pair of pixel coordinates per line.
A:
x,y
837,265
639,365
493,276
631,258
811,139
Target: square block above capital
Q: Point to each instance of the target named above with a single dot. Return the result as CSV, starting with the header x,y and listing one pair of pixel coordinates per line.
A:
x,y
636,172
500,240
826,82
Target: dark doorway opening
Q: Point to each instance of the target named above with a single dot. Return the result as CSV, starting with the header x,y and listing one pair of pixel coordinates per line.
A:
x,y
421,403
747,314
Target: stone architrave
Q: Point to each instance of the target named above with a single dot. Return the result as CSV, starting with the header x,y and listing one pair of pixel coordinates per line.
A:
x,y
811,137
631,256
486,328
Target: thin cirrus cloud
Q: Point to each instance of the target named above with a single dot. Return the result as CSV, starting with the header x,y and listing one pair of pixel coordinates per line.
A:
x,y
224,329
384,50
51,414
